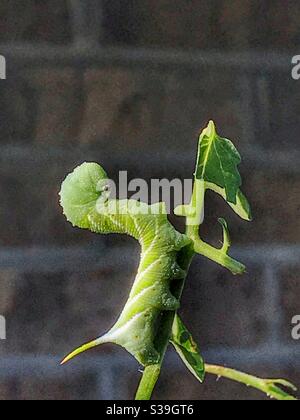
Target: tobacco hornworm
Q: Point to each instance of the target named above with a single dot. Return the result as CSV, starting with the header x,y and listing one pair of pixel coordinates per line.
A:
x,y
149,321
86,205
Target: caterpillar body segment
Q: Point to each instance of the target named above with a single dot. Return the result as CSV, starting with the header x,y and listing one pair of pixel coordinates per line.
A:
x,y
86,205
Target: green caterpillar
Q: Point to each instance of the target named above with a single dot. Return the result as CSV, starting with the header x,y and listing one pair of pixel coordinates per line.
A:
x,y
86,205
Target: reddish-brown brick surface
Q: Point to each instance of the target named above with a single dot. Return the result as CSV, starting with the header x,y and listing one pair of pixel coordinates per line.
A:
x,y
56,95
53,313
230,25
269,17
79,387
223,310
34,20
8,390
41,106
138,110
131,109
163,23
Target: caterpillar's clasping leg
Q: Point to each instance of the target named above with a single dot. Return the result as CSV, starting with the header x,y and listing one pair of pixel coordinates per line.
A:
x,y
82,349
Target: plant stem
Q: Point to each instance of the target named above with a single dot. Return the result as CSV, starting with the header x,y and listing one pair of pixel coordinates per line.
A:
x,y
151,373
218,256
148,382
269,387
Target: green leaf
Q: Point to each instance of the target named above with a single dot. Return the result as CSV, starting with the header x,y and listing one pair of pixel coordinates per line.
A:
x,y
187,349
217,165
241,208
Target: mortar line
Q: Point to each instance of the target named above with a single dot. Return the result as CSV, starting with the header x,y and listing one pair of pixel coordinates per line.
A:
x,y
55,259
285,162
41,54
246,359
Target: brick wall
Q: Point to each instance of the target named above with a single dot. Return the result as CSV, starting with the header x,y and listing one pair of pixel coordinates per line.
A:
x,y
75,93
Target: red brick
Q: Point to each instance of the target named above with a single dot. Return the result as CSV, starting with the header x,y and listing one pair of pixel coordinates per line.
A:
x,y
108,91
203,25
77,387
233,28
41,106
32,20
8,390
31,213
138,110
57,99
222,310
284,100
17,118
164,23
279,36
55,313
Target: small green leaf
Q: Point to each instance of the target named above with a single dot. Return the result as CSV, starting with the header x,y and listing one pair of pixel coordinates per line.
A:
x,y
217,165
218,162
187,349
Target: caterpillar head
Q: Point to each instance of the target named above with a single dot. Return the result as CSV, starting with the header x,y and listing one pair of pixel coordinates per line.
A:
x,y
80,192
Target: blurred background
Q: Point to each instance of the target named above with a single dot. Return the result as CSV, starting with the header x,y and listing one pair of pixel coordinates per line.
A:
x,y
129,84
